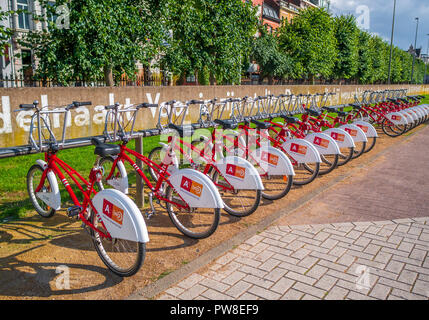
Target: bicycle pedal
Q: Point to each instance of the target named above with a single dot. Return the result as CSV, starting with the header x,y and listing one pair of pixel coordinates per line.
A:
x,y
73,211
149,214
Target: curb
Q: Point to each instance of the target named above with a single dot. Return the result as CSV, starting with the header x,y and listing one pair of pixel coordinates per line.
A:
x,y
155,288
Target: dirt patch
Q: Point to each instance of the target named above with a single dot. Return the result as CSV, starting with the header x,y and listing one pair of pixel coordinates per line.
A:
x,y
34,251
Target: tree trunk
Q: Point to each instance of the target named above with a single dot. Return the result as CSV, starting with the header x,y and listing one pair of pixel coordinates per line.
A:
x,y
108,76
212,79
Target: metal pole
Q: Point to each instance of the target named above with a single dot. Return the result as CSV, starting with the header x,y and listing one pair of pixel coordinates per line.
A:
x,y
391,40
139,180
426,62
415,48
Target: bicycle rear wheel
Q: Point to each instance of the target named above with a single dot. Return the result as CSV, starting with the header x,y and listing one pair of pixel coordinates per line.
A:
x,y
239,203
392,129
305,173
370,144
276,186
197,223
123,257
329,163
345,156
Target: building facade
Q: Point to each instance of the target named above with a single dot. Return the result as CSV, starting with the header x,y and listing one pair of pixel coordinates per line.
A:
x,y
18,61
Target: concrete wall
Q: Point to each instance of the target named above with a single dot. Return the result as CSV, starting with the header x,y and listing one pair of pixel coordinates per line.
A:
x,y
89,121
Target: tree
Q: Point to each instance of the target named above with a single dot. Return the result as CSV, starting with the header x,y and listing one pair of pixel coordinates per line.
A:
x,y
271,60
105,38
347,35
310,41
211,35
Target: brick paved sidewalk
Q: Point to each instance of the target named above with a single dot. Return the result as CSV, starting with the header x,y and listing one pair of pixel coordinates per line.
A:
x,y
386,259
362,260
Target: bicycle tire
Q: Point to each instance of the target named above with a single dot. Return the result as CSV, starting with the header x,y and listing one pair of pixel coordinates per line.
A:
x,y
359,149
329,163
385,126
109,254
283,188
203,227
346,156
235,197
155,156
103,183
305,174
371,144
41,208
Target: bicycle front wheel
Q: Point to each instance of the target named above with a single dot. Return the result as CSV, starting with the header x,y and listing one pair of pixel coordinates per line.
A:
x,y
123,257
197,223
305,173
239,203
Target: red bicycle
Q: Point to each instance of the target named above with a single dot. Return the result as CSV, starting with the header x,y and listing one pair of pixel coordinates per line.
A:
x,y
113,221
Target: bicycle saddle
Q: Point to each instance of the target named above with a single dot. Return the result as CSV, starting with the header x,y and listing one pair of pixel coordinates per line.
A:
x,y
355,106
226,124
104,149
290,119
334,110
260,124
183,130
313,113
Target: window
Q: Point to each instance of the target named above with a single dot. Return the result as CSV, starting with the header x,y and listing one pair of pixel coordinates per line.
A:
x,y
23,17
26,57
269,12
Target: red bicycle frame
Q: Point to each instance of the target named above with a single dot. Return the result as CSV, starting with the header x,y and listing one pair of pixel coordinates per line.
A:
x,y
53,164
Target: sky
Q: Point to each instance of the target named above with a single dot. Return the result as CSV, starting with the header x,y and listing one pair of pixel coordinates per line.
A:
x,y
376,17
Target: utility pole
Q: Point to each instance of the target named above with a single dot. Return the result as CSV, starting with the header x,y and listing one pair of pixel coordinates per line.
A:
x,y
427,61
391,40
415,48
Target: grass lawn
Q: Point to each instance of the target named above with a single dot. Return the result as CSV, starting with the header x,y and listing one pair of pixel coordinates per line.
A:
x,y
14,202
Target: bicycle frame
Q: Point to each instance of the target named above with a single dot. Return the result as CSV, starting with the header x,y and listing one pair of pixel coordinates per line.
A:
x,y
54,164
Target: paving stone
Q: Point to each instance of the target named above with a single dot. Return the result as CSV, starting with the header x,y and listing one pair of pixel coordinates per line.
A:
x,y
275,274
254,240
309,289
238,289
264,293
301,278
326,282
421,287
234,277
216,285
190,281
407,276
282,285
215,295
380,291
407,295
292,294
316,271
337,293
193,292
258,281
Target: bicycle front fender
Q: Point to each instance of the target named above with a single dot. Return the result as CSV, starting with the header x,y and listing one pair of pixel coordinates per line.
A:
x,y
196,189
357,133
120,184
301,151
411,115
421,111
341,137
52,198
240,173
367,128
120,215
323,143
272,161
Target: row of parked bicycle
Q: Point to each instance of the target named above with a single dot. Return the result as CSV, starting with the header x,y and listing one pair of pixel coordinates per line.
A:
x,y
241,150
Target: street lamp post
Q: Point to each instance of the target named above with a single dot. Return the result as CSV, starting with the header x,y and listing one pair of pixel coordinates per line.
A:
x,y
391,40
415,48
427,61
